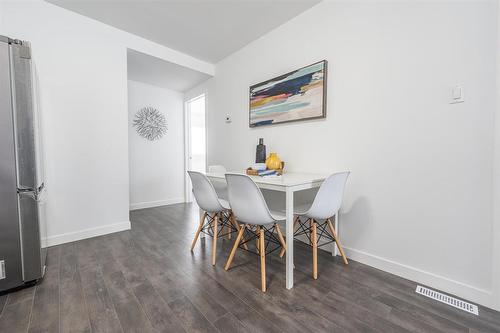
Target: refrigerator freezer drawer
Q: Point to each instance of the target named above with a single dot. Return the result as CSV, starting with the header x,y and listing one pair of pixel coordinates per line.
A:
x,y
30,237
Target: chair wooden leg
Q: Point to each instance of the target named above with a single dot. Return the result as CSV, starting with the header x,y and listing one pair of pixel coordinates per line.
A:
x,y
257,241
200,226
310,231
238,227
337,241
235,247
282,240
262,260
214,242
314,241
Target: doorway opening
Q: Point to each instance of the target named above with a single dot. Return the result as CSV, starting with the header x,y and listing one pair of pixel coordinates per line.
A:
x,y
196,142
157,91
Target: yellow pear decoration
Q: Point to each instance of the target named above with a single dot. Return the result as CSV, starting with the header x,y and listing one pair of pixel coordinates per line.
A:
x,y
273,162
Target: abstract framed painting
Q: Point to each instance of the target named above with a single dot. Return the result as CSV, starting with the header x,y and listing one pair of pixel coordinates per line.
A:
x,y
298,95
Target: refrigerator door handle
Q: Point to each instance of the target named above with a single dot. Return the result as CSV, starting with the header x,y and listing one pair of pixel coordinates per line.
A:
x,y
28,193
41,187
32,193
24,189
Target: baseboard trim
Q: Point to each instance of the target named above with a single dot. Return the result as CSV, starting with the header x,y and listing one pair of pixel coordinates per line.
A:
x,y
460,289
151,204
86,233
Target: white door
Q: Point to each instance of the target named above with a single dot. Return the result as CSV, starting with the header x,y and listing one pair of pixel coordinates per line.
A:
x,y
196,146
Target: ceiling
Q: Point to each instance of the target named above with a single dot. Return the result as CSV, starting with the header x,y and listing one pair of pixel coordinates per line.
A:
x,y
209,30
158,72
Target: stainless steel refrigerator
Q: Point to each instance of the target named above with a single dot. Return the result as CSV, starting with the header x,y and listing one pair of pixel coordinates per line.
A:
x,y
22,207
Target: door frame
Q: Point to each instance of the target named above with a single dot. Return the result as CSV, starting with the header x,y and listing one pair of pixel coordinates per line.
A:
x,y
188,197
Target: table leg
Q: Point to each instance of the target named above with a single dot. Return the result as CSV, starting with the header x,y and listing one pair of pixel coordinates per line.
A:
x,y
289,238
202,235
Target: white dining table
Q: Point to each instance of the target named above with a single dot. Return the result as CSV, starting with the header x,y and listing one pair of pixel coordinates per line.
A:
x,y
289,183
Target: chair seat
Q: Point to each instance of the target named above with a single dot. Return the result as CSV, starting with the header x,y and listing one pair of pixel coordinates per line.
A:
x,y
301,209
298,210
225,204
278,216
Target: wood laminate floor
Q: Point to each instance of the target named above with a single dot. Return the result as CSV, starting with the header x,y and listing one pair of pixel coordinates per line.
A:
x,y
147,280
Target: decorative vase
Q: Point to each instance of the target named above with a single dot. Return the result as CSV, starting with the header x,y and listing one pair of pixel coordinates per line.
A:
x,y
273,162
260,153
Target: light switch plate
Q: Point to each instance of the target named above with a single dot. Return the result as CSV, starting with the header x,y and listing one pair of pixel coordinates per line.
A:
x,y
457,95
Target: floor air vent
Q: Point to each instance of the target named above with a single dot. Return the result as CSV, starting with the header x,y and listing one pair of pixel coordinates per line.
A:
x,y
2,269
455,302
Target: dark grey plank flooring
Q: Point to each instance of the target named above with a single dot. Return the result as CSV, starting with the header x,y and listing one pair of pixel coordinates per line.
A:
x,y
147,280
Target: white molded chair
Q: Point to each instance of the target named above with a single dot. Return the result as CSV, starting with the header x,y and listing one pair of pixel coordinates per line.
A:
x,y
219,185
217,212
326,204
250,208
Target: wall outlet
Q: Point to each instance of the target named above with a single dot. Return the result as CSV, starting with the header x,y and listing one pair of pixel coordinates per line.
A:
x,y
228,118
2,269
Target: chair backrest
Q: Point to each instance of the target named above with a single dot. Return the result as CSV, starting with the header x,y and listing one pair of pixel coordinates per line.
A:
x,y
246,200
217,169
329,197
204,193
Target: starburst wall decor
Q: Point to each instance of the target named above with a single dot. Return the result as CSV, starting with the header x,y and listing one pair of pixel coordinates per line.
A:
x,y
150,123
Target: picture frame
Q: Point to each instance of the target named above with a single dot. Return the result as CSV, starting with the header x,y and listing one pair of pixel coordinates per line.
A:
x,y
295,96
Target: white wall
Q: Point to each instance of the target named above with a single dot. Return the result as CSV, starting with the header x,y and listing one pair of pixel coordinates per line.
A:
x,y
156,167
83,80
419,200
1,14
